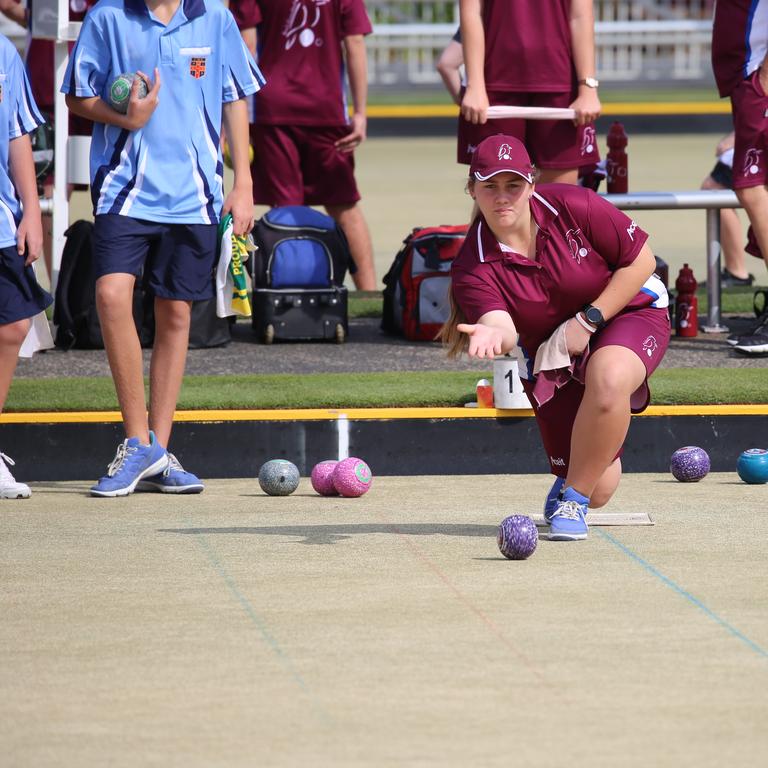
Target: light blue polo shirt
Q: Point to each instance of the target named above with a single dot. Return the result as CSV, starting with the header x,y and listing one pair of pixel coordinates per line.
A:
x,y
18,115
171,169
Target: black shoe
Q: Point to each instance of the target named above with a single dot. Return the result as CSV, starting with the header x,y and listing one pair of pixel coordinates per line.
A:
x,y
755,336
727,280
756,344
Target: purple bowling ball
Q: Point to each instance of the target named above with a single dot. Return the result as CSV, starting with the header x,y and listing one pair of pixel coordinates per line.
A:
x,y
517,537
689,464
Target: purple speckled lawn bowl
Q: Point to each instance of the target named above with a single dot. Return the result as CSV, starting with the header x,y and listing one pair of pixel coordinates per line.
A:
x,y
689,464
517,537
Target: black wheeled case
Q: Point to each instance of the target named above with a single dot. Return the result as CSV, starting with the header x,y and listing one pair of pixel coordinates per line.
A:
x,y
286,314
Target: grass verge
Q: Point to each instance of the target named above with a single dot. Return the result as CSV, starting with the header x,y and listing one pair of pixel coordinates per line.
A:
x,y
674,386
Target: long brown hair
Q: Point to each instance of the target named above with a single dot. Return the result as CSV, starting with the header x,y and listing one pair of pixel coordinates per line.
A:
x,y
455,342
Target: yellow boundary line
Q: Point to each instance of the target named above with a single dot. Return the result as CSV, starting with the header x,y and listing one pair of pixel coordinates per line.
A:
x,y
611,110
360,414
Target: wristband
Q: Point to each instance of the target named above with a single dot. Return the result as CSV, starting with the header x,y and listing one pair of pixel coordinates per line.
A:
x,y
583,323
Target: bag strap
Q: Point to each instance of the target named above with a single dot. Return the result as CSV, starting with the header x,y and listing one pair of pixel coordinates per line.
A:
x,y
393,273
62,315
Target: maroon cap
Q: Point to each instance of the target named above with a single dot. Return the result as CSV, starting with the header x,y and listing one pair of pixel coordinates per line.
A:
x,y
501,154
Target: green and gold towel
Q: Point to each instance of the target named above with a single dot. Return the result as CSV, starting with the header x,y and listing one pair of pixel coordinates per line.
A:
x,y
231,288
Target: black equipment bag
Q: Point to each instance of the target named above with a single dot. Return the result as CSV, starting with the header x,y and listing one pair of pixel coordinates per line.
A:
x,y
297,275
75,316
296,313
206,328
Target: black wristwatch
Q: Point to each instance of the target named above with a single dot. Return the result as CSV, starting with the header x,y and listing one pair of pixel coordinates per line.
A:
x,y
594,316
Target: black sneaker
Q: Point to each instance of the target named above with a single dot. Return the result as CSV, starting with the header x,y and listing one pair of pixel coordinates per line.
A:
x,y
727,280
755,343
760,327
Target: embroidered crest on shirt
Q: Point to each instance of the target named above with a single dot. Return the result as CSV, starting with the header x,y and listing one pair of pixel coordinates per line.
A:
x,y
300,25
576,244
197,67
752,161
650,345
588,140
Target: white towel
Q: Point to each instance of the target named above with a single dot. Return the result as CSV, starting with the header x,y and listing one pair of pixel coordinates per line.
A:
x,y
39,336
553,367
553,353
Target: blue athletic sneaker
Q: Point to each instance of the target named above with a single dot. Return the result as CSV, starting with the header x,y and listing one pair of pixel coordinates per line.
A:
x,y
567,522
550,505
173,479
132,462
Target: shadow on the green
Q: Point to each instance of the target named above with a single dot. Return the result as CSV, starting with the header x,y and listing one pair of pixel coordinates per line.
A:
x,y
330,534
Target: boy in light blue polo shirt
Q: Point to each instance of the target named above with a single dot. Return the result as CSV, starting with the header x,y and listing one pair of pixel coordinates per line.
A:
x,y
157,191
21,230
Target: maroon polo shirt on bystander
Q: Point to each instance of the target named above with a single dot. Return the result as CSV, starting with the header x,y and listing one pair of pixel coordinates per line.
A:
x,y
301,57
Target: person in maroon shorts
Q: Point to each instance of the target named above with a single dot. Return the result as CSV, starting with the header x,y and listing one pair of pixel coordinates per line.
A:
x,y
740,65
566,278
303,137
531,54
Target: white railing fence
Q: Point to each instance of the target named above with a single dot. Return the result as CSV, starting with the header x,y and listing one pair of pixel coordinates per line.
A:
x,y
635,41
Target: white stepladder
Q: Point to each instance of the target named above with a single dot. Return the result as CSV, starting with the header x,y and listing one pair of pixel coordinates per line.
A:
x,y
49,20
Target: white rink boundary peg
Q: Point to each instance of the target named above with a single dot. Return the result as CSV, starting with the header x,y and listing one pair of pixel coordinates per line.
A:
x,y
605,519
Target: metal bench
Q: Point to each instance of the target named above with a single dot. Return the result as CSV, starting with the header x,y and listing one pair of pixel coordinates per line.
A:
x,y
709,200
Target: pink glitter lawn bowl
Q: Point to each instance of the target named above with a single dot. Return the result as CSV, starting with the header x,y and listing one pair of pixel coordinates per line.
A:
x,y
352,477
322,477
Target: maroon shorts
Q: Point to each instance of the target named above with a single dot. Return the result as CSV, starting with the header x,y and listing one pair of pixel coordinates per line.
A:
x,y
749,105
644,331
555,144
299,165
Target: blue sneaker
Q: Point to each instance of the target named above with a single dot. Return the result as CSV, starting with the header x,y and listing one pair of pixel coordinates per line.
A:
x,y
132,462
173,479
550,505
567,522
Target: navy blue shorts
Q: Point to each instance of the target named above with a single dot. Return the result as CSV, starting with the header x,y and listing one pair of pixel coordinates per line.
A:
x,y
723,175
177,261
20,295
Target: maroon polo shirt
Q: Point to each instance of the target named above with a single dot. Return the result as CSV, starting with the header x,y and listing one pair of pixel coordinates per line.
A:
x,y
246,12
739,41
582,239
527,45
300,55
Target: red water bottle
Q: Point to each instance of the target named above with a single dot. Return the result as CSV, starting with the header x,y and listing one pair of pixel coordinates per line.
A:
x,y
686,303
616,163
